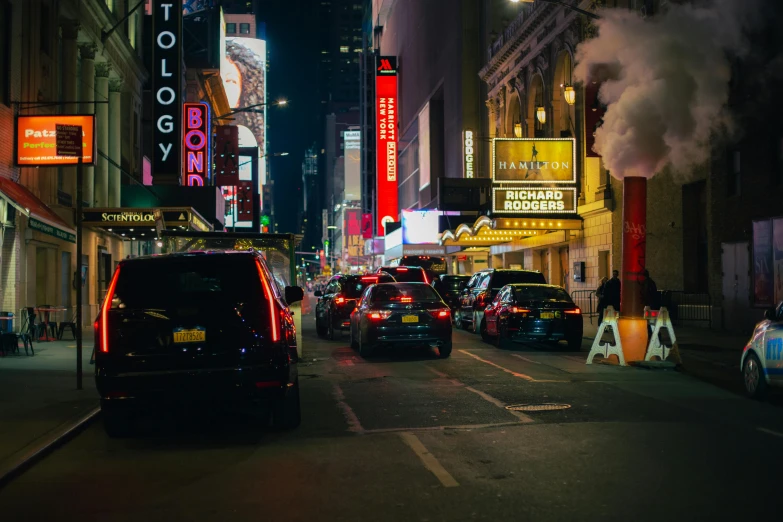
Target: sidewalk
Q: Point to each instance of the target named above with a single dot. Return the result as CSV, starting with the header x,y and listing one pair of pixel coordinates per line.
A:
x,y
689,337
40,399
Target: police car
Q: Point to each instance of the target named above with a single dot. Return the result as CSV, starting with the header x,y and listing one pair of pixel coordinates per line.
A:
x,y
762,358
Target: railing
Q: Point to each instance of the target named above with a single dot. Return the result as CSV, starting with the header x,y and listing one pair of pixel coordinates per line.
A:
x,y
587,301
687,307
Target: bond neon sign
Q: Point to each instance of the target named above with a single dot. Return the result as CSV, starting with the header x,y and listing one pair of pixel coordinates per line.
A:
x,y
196,158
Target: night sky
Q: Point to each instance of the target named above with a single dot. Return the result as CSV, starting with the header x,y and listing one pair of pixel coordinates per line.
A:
x,y
291,31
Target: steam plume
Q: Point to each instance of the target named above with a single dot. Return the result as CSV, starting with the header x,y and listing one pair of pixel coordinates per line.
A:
x,y
665,83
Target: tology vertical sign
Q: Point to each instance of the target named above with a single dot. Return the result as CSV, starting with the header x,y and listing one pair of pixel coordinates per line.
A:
x,y
166,91
196,150
386,136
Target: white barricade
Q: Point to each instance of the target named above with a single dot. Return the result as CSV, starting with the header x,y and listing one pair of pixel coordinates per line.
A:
x,y
658,348
607,349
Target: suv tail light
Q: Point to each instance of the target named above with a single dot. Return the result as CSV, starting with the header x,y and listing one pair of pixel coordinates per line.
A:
x,y
339,300
270,297
519,310
102,325
378,315
441,313
575,311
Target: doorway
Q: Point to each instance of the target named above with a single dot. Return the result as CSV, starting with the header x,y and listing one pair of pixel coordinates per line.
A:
x,y
735,261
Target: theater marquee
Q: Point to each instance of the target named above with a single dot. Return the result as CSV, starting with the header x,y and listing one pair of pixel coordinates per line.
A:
x,y
534,200
534,160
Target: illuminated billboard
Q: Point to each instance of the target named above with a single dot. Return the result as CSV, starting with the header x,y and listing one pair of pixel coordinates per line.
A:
x,y
420,227
36,140
353,170
534,160
166,91
196,152
386,140
534,200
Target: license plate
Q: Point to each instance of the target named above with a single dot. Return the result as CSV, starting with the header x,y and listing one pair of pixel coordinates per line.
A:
x,y
190,336
547,315
410,318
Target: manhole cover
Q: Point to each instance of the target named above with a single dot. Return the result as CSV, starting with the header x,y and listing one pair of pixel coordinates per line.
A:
x,y
549,406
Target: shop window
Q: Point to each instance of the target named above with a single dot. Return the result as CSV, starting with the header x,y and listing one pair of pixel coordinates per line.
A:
x,y
231,28
244,28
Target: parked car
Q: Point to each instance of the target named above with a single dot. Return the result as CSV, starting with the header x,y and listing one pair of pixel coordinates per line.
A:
x,y
338,300
186,327
406,274
401,314
482,289
522,313
449,288
762,358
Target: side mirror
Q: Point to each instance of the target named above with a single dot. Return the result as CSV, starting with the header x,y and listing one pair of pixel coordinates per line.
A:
x,y
293,294
318,293
770,314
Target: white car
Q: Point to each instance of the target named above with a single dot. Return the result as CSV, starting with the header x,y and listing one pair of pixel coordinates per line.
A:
x,y
762,358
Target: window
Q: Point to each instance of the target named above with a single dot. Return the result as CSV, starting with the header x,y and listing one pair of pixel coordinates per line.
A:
x,y
244,28
734,178
5,52
231,28
343,48
131,29
46,38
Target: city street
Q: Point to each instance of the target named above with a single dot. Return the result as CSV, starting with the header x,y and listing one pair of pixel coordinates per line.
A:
x,y
408,436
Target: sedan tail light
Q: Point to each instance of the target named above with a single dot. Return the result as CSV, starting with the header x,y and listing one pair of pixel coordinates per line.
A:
x,y
519,310
339,300
575,311
379,315
441,313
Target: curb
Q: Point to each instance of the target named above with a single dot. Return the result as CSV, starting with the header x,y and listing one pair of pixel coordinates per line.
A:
x,y
43,446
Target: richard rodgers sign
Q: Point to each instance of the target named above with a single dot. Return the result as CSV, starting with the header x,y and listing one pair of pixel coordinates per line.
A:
x,y
534,200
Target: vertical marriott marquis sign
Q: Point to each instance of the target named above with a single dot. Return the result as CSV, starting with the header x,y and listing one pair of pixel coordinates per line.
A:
x,y
167,90
386,132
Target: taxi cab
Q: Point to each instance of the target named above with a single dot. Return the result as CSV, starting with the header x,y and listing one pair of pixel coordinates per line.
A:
x,y
762,358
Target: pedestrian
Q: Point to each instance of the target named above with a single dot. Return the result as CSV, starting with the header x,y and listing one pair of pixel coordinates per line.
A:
x,y
650,294
612,290
599,293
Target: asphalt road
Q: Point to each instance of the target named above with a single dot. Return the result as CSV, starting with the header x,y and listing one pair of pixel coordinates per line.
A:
x,y
410,437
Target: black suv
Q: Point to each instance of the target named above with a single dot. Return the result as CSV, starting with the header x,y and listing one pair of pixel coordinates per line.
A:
x,y
338,301
192,327
482,289
406,274
449,288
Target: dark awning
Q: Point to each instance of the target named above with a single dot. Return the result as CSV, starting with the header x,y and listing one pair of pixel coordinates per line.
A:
x,y
41,217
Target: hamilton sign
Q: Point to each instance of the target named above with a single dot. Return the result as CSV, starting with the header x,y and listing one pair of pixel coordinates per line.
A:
x,y
534,160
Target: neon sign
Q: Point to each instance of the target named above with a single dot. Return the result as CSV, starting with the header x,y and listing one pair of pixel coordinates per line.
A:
x,y
196,158
386,135
167,90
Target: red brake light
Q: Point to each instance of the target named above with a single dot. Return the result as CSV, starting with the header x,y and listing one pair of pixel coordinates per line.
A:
x,y
104,338
574,311
370,278
377,315
340,300
406,299
441,314
402,269
518,310
271,298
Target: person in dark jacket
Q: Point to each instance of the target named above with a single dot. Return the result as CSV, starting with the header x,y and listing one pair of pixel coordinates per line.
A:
x,y
612,291
599,293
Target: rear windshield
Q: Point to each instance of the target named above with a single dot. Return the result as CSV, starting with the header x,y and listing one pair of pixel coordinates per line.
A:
x,y
454,283
501,279
162,283
403,293
407,275
353,287
541,293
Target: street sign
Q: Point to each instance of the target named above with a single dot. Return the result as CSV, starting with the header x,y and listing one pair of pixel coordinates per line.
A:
x,y
69,140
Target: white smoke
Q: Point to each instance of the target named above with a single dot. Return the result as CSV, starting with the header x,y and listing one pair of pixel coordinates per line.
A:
x,y
665,83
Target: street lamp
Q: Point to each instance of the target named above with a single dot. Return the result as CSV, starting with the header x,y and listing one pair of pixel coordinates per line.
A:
x,y
541,114
518,129
569,94
253,108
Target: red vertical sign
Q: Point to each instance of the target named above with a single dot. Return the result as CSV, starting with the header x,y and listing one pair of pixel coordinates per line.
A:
x,y
367,226
386,137
197,152
226,155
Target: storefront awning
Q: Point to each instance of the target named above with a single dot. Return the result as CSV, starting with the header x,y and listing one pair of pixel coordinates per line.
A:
x,y
41,217
487,231
140,223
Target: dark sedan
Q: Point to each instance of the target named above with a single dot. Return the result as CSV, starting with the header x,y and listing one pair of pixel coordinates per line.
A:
x,y
526,312
401,313
338,300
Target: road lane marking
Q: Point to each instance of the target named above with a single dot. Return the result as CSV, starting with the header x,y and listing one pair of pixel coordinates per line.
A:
x,y
428,459
770,432
512,372
524,358
456,427
500,404
350,416
436,372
